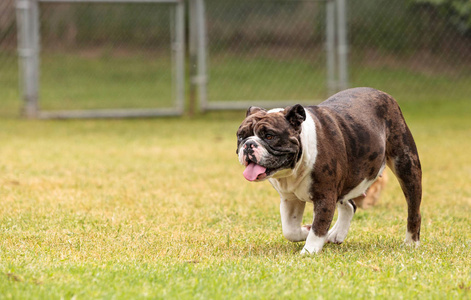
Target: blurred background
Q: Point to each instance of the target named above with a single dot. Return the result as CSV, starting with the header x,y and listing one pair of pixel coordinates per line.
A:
x,y
120,55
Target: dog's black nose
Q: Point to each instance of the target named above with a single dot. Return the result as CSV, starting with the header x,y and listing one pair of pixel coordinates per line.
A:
x,y
250,145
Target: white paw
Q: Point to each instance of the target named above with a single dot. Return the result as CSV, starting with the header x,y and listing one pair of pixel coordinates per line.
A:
x,y
311,251
337,235
314,244
305,252
410,242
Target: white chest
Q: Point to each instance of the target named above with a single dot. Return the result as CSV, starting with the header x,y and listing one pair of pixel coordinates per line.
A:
x,y
292,190
296,183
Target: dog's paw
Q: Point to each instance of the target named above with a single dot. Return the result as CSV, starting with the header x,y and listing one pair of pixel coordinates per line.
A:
x,y
314,244
311,251
408,241
337,235
304,252
415,244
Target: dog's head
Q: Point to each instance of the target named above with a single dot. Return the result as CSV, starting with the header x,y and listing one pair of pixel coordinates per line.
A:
x,y
269,141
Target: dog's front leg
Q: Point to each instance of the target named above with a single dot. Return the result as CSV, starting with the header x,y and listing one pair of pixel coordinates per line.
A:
x,y
324,210
291,218
338,233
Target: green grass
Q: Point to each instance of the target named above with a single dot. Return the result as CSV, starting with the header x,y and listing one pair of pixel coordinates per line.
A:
x,y
159,209
104,79
92,80
69,82
263,76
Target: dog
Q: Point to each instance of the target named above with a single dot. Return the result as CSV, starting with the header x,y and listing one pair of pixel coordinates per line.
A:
x,y
330,154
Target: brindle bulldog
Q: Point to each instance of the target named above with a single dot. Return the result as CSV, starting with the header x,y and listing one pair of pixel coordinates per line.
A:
x,y
329,154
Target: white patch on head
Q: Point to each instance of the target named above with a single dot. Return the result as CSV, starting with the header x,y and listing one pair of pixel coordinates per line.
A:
x,y
259,152
314,243
275,110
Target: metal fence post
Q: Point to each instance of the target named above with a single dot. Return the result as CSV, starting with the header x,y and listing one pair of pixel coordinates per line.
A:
x,y
192,44
342,44
28,51
180,55
201,40
332,84
198,61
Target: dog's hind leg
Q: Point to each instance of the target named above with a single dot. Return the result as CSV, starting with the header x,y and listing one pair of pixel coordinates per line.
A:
x,y
404,162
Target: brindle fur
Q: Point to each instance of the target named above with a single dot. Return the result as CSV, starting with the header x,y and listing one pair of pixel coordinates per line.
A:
x,y
370,126
358,131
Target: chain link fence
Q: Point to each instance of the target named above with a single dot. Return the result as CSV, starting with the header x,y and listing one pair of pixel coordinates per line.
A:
x,y
276,50
101,59
10,102
266,51
415,50
117,55
101,56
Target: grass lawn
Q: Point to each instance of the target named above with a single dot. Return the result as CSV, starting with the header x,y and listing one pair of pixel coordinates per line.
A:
x,y
92,81
81,82
158,208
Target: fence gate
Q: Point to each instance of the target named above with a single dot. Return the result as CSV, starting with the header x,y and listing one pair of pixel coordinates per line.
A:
x,y
267,53
28,18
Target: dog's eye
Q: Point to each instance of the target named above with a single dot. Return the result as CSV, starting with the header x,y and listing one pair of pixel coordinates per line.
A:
x,y
269,136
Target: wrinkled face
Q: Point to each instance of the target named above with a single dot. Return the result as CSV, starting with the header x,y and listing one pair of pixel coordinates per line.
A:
x,y
269,142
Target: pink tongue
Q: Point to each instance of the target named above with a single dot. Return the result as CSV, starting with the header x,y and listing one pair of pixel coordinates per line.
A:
x,y
252,171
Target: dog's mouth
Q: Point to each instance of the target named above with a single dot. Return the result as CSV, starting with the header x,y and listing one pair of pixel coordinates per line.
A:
x,y
255,172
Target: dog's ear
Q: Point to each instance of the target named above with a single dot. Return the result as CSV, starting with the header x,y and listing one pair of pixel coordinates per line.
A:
x,y
295,115
253,109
